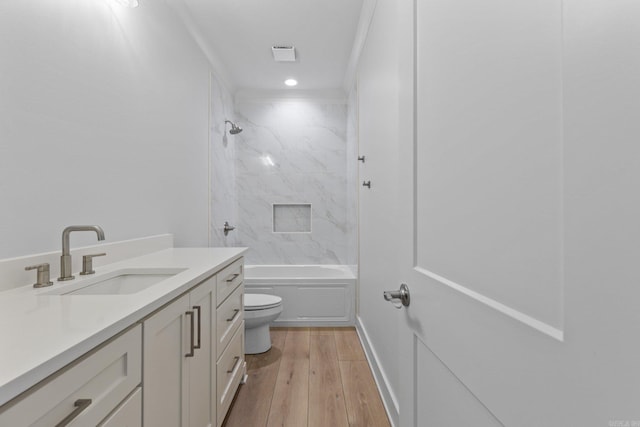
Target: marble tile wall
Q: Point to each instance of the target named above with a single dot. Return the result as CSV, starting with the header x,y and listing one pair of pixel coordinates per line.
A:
x,y
293,151
352,178
223,187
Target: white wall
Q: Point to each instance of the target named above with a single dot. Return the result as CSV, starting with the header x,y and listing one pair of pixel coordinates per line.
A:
x,y
103,120
378,127
292,151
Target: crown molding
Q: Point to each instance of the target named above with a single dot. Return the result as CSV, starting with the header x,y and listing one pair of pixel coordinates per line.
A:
x,y
196,33
364,23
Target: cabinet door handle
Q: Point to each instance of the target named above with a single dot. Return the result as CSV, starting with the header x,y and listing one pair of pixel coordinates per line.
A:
x,y
232,277
235,363
191,345
235,313
81,405
197,307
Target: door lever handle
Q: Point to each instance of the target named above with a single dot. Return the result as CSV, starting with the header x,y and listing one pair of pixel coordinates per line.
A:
x,y
398,298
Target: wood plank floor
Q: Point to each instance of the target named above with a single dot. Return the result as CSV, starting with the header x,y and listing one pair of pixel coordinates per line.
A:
x,y
315,377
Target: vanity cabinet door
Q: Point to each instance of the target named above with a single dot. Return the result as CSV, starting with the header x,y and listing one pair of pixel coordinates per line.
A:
x,y
165,376
201,409
177,365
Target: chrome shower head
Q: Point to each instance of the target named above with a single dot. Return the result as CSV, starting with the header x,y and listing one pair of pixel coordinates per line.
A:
x,y
234,129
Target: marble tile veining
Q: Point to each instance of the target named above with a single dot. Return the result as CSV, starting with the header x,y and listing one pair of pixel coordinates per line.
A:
x,y
293,152
222,149
352,182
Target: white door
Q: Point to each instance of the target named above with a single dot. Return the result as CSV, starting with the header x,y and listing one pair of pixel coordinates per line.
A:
x,y
520,181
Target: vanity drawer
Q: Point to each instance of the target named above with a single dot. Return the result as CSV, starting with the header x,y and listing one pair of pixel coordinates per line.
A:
x,y
228,316
91,387
129,414
230,370
229,279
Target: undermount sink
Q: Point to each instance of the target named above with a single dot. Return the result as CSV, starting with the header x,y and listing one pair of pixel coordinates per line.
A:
x,y
120,282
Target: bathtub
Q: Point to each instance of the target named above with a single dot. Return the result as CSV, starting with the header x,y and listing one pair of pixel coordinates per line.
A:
x,y
313,295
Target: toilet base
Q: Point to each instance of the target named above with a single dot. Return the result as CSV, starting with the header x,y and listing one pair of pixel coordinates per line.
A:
x,y
257,340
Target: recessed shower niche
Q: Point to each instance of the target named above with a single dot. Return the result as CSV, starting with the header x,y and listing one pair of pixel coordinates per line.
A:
x,y
292,218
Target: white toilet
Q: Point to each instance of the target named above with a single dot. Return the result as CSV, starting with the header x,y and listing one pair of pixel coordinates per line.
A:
x,y
259,311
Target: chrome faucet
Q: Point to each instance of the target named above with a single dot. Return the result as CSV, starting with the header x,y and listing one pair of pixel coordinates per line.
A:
x,y
65,259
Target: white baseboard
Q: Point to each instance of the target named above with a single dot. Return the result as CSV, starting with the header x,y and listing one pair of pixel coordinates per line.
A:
x,y
388,397
310,323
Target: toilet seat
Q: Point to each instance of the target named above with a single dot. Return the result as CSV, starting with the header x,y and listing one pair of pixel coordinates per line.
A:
x,y
253,302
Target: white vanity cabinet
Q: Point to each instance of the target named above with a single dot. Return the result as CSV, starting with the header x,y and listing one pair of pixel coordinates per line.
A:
x,y
87,391
177,366
230,366
129,414
200,370
177,361
194,353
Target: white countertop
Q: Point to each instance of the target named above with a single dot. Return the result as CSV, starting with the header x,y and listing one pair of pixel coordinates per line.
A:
x,y
43,333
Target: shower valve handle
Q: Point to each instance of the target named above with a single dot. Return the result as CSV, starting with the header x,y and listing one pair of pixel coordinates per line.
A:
x,y
227,228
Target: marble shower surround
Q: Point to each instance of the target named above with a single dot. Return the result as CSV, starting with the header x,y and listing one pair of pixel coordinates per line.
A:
x,y
223,188
292,152
352,165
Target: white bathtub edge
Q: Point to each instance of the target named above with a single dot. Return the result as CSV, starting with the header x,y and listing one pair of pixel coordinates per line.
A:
x,y
343,272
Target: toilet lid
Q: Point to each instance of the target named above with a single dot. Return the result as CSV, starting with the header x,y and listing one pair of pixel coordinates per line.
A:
x,y
260,301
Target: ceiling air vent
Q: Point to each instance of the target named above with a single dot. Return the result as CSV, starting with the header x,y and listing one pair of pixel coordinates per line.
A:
x,y
284,53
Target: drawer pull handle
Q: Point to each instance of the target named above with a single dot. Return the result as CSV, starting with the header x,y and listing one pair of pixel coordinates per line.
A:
x,y
232,277
81,405
191,345
235,313
197,307
236,360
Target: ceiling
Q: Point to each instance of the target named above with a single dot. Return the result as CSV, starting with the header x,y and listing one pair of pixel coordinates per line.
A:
x,y
242,32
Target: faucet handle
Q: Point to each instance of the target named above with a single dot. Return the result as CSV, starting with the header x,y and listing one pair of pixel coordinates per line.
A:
x,y
42,279
87,263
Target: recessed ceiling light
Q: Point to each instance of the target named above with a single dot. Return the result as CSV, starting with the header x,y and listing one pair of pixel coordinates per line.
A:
x,y
291,82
